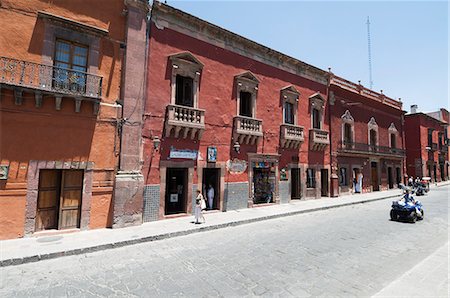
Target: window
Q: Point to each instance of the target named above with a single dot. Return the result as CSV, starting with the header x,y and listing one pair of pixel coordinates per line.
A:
x,y
430,137
373,137
245,104
310,178
70,66
343,181
440,140
347,133
316,118
184,92
393,140
288,113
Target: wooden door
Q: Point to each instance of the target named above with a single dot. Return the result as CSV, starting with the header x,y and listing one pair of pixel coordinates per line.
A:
x,y
70,203
48,200
324,182
374,172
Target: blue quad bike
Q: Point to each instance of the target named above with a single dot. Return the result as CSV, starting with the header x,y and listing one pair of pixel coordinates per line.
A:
x,y
407,211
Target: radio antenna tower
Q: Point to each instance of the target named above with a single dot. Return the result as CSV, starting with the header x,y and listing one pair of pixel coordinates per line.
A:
x,y
370,54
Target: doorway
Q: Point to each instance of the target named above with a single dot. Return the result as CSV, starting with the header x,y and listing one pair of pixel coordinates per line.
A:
x,y
324,182
399,176
211,188
263,185
434,173
296,191
59,199
176,190
374,173
390,178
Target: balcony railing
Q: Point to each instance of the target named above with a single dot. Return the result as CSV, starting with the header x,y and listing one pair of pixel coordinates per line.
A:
x,y
352,147
291,136
318,139
247,130
185,121
49,78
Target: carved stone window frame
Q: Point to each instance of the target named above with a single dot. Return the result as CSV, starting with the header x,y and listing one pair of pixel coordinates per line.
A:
x,y
372,125
289,94
246,82
187,65
347,118
393,131
317,101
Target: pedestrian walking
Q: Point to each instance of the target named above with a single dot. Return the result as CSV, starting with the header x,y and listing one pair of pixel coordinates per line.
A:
x,y
200,204
210,195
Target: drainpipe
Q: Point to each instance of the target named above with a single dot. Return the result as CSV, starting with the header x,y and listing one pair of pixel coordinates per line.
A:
x,y
334,179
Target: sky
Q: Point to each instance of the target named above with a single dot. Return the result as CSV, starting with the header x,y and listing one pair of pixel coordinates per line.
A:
x,y
409,40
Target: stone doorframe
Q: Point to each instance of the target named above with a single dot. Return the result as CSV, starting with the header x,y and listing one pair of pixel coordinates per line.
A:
x,y
163,165
255,157
218,165
34,168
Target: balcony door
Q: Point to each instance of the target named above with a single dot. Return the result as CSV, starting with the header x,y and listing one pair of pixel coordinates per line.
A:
x,y
70,69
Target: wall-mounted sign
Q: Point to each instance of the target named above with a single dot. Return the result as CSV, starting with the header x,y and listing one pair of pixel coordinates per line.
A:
x,y
183,153
174,198
212,154
4,172
236,166
283,175
263,164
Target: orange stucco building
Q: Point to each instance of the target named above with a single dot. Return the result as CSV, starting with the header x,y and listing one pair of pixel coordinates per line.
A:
x,y
61,68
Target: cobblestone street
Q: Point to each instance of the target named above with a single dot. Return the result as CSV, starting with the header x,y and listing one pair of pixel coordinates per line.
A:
x,y
348,251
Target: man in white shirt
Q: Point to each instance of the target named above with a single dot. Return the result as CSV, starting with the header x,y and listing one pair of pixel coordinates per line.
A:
x,y
210,195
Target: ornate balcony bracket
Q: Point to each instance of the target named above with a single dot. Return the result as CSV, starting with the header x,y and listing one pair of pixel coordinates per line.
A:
x,y
247,130
184,122
318,139
291,136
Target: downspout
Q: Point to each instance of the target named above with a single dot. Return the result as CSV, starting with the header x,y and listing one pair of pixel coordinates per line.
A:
x,y
333,176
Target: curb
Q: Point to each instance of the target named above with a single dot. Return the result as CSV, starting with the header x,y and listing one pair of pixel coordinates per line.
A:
x,y
78,251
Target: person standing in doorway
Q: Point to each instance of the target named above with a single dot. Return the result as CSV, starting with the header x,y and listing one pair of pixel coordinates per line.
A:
x,y
199,205
210,196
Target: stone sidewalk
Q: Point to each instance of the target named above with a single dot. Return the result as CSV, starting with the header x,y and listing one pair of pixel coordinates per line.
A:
x,y
429,278
24,250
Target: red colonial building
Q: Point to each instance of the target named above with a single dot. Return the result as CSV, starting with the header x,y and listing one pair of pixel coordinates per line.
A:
x,y
368,148
427,144
226,112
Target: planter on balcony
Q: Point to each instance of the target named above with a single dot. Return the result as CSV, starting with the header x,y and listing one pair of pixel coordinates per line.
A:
x,y
184,122
247,130
291,136
318,139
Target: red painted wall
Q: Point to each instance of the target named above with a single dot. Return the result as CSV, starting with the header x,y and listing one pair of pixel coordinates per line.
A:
x,y
217,97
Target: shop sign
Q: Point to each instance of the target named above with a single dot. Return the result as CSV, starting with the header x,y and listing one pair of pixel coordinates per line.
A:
x,y
183,153
283,174
262,164
212,154
236,166
4,172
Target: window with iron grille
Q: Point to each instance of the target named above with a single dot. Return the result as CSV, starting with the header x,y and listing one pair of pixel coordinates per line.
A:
x,y
70,64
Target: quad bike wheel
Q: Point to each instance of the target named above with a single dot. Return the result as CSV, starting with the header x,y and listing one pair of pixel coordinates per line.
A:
x,y
423,213
393,215
413,217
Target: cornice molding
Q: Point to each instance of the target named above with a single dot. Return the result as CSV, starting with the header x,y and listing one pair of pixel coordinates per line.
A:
x,y
164,16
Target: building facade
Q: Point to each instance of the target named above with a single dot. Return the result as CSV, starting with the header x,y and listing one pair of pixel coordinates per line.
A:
x,y
427,145
60,81
368,149
225,112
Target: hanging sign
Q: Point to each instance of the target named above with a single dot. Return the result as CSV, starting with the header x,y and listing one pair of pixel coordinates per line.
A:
x,y
236,166
184,153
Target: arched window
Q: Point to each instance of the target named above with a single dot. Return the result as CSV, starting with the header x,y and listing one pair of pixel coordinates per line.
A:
x,y
393,133
372,134
348,122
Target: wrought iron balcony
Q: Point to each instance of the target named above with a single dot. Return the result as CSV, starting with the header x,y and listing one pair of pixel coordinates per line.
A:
x,y
318,139
247,130
184,121
291,136
362,148
49,78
